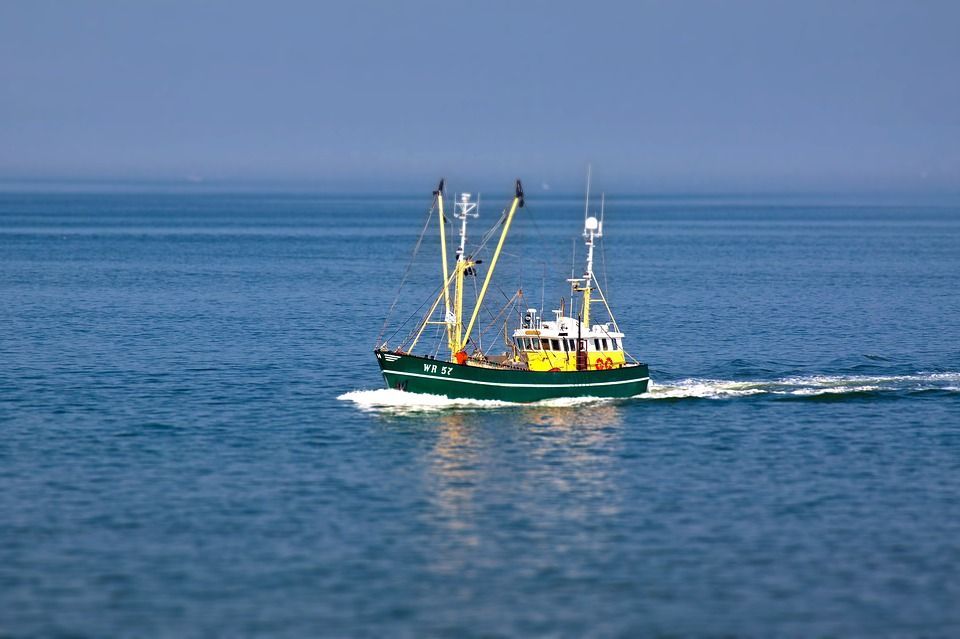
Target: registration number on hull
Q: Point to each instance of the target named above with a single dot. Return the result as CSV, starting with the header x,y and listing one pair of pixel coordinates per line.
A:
x,y
433,368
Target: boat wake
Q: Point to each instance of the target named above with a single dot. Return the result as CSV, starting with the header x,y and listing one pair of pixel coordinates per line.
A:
x,y
811,386
805,386
395,401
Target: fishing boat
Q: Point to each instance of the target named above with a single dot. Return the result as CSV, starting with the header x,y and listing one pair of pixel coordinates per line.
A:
x,y
544,358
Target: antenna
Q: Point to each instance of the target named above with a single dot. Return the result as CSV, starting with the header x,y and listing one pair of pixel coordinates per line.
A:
x,y
586,203
600,228
603,252
573,259
573,275
543,288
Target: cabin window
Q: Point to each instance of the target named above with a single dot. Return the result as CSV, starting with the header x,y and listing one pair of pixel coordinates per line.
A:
x,y
604,342
556,345
596,343
545,344
614,341
519,343
570,345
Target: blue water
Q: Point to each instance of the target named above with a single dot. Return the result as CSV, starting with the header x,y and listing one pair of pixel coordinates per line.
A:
x,y
194,440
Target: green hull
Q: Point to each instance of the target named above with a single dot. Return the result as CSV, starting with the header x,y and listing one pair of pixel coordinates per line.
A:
x,y
435,377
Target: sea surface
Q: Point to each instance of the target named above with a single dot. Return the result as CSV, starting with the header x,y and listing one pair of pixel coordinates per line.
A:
x,y
195,440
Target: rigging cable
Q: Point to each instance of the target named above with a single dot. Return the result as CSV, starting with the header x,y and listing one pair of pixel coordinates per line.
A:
x,y
406,272
503,310
603,261
416,312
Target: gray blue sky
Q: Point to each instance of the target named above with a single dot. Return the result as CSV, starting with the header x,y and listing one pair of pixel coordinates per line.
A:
x,y
736,95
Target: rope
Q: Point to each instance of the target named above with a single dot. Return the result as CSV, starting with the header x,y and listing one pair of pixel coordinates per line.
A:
x,y
603,261
475,293
615,326
416,312
406,273
603,298
490,232
496,319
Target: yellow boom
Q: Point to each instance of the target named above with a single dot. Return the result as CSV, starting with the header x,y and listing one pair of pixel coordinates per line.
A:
x,y
517,202
443,258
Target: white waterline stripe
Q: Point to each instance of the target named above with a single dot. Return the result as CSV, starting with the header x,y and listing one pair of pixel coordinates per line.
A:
x,y
472,381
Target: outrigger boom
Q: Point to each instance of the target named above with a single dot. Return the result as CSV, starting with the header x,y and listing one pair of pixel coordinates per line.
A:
x,y
517,203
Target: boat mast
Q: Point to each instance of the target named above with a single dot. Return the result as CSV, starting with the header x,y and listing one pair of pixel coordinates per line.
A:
x,y
592,229
443,258
586,199
517,203
464,209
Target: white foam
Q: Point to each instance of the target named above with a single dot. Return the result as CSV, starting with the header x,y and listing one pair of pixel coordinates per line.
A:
x,y
561,402
399,402
831,390
949,377
809,385
392,400
703,388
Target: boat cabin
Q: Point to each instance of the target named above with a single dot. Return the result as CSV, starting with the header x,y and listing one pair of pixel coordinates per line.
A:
x,y
565,344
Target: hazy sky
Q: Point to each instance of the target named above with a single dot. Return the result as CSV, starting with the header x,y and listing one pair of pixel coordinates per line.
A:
x,y
657,95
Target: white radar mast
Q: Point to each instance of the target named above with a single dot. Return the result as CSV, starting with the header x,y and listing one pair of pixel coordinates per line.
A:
x,y
464,209
592,229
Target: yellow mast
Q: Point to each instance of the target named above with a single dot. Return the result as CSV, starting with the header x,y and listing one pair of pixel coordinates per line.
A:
x,y
456,345
586,307
517,202
443,258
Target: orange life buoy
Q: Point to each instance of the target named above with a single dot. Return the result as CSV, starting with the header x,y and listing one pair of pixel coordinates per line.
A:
x,y
599,364
608,363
